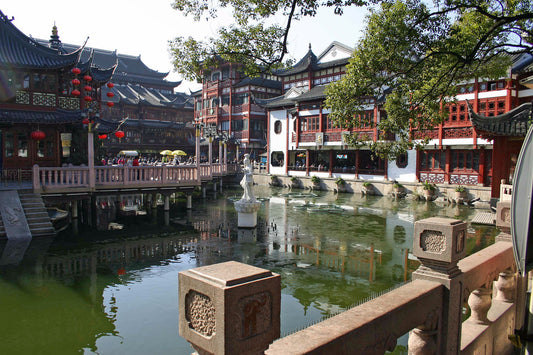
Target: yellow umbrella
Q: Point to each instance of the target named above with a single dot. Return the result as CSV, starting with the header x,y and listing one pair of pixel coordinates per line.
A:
x,y
179,152
166,152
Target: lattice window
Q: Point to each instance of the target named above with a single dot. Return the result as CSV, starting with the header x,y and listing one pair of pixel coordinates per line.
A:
x,y
69,103
23,97
44,99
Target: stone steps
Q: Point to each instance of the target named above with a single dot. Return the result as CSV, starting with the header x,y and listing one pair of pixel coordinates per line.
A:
x,y
36,215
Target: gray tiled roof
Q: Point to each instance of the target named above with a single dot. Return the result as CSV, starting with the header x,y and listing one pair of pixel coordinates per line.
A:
x,y
19,51
57,116
513,123
136,94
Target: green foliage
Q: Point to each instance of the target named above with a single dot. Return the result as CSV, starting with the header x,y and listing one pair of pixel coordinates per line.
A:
x,y
428,186
367,184
415,56
460,188
340,181
397,185
315,179
294,179
273,178
411,57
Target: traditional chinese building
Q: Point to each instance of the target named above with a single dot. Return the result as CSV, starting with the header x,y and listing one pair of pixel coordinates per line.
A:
x,y
42,101
158,117
304,142
228,101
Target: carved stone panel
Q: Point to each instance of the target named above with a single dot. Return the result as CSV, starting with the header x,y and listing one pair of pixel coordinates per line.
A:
x,y
200,313
255,314
433,242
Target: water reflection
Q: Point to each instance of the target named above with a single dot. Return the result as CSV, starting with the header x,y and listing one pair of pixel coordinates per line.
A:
x,y
115,291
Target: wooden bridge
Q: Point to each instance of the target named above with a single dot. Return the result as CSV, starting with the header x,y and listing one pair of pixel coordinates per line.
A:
x,y
84,179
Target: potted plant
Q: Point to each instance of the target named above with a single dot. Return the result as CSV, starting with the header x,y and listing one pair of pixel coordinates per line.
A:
x,y
368,188
274,181
460,192
341,184
397,187
294,181
429,189
316,182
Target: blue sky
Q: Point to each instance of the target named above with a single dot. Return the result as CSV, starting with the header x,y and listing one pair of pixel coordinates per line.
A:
x,y
141,27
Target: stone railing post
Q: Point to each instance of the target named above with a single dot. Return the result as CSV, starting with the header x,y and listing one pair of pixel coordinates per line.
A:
x,y
229,308
439,243
36,179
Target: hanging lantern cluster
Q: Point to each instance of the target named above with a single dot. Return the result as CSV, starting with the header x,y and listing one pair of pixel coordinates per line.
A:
x,y
76,81
110,95
38,135
102,136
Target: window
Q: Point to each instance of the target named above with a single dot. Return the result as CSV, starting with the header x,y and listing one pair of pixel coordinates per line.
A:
x,y
22,145
309,124
277,159
402,160
225,100
432,159
277,127
9,145
465,160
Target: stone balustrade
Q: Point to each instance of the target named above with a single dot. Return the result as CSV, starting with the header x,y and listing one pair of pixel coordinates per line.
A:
x,y
431,308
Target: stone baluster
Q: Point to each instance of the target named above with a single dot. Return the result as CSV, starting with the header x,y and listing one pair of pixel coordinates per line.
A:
x,y
439,243
505,286
479,302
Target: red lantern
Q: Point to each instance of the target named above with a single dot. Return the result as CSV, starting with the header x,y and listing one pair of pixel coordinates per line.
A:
x,y
121,271
76,71
88,98
110,104
85,121
110,94
87,88
38,135
76,92
102,136
75,82
110,85
87,78
119,134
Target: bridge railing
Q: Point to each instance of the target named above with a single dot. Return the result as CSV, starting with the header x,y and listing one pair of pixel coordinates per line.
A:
x,y
78,177
446,289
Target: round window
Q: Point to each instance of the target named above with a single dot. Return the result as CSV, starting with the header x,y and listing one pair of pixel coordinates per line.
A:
x,y
277,127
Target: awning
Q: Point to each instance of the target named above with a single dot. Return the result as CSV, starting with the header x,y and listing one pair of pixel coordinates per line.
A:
x,y
129,153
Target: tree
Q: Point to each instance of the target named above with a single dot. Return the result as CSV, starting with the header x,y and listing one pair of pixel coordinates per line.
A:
x,y
250,41
410,58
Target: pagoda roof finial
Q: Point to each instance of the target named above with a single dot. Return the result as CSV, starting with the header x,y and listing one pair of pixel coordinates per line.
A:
x,y
55,42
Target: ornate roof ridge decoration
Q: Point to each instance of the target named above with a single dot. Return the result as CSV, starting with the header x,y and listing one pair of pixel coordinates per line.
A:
x,y
103,126
308,62
100,75
18,50
514,123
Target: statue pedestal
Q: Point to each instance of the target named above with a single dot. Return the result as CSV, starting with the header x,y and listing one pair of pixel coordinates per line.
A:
x,y
247,213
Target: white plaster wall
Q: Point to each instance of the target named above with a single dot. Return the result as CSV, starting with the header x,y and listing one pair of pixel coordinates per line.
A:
x,y
278,142
407,174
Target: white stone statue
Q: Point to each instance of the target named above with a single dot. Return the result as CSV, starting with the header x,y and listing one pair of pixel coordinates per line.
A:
x,y
247,181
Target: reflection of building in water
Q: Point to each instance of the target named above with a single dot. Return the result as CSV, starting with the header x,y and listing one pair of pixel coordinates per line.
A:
x,y
117,255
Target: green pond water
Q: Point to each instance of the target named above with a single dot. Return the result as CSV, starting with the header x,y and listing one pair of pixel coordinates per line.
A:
x,y
116,292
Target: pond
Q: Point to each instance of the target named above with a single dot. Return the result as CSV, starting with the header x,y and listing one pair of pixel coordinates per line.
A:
x,y
116,292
